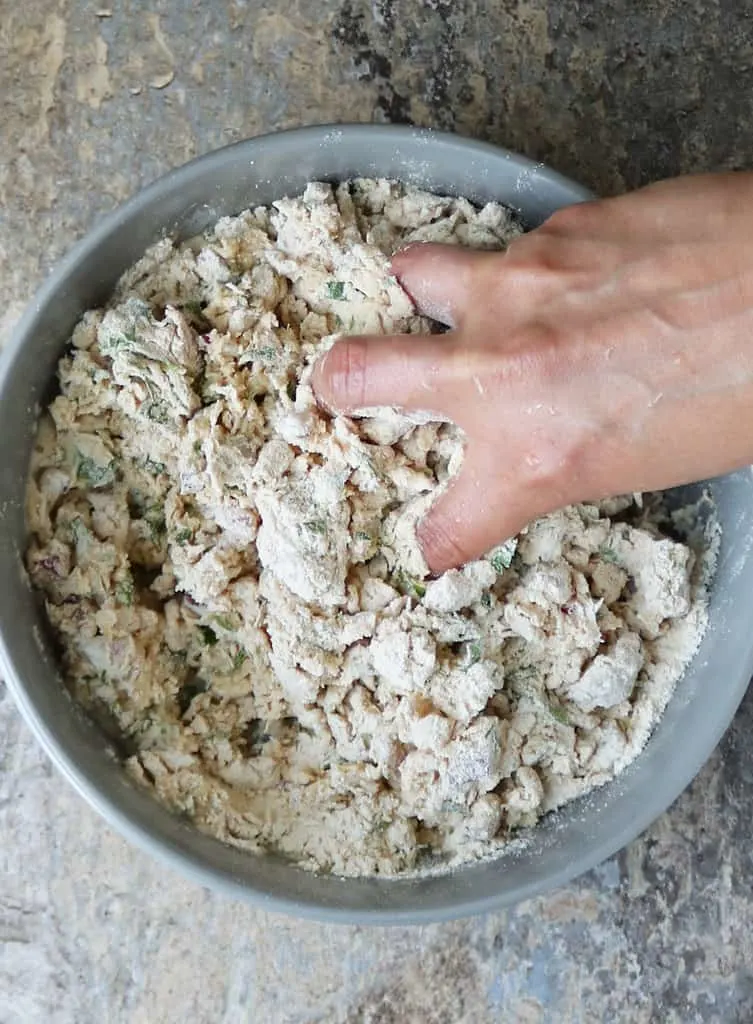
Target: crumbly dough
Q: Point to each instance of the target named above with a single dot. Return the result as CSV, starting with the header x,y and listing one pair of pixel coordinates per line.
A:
x,y
235,583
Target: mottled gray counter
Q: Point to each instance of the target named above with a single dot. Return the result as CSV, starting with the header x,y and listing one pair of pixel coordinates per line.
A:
x,y
100,99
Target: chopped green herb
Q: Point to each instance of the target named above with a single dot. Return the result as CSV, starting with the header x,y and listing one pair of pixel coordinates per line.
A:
x,y
265,353
559,714
124,340
239,657
156,411
79,530
154,516
193,306
502,556
316,526
124,590
362,535
225,622
486,599
183,535
92,474
335,289
208,635
408,585
608,555
153,467
291,389
474,654
197,446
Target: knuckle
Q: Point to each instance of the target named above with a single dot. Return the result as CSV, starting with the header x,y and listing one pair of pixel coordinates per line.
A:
x,y
346,372
440,541
535,359
569,219
526,250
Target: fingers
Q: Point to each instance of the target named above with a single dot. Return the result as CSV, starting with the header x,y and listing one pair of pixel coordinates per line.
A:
x,y
692,208
442,280
542,250
466,522
404,371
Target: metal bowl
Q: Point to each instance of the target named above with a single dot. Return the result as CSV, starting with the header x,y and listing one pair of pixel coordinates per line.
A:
x,y
565,844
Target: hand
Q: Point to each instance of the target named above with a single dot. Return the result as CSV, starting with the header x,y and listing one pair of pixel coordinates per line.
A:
x,y
608,351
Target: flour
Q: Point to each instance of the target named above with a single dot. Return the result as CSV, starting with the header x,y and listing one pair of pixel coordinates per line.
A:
x,y
235,582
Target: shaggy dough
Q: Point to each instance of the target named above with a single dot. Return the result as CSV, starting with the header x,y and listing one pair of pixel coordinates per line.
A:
x,y
235,582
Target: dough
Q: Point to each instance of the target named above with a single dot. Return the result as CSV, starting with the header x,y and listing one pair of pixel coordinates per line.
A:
x,y
235,583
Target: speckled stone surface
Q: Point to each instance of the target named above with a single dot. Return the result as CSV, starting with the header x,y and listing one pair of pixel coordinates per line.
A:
x,y
98,100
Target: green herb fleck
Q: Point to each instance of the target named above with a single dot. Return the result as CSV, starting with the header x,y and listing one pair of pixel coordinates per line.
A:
x,y
239,657
486,599
197,446
335,289
153,467
225,622
124,590
474,654
183,535
92,474
79,530
208,635
154,516
608,555
410,586
559,714
265,353
502,556
291,389
114,342
316,526
156,411
194,306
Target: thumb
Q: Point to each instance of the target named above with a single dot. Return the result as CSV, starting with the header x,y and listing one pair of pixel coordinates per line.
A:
x,y
469,519
441,278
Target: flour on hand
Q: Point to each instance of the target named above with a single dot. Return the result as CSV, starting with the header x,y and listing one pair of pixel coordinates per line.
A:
x,y
234,578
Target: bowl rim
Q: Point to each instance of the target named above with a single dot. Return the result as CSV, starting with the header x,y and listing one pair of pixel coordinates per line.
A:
x,y
191,864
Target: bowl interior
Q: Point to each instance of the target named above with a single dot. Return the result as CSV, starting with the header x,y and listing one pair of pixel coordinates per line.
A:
x,y
565,844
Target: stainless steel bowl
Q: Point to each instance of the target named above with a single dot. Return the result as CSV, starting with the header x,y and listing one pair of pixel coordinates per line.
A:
x,y
565,844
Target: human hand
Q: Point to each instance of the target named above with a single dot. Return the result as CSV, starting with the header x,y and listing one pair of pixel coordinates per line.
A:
x,y
608,351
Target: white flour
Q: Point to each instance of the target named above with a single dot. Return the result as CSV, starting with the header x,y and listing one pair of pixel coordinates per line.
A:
x,y
236,585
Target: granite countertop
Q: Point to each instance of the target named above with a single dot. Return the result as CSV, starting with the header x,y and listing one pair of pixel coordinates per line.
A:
x,y
98,99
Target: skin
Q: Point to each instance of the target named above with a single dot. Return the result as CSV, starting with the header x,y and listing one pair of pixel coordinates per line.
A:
x,y
608,351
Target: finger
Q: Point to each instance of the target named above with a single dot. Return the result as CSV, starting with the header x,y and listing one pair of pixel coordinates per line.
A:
x,y
466,521
541,250
443,280
403,371
684,209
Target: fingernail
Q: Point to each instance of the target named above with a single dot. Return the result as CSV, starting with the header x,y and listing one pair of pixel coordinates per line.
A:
x,y
317,378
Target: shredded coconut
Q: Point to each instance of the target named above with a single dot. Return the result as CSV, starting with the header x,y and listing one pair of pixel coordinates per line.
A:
x,y
235,582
